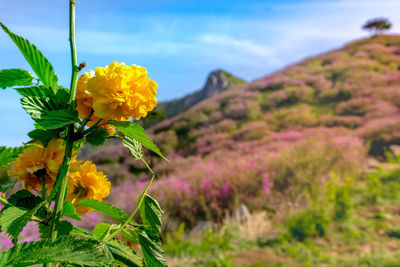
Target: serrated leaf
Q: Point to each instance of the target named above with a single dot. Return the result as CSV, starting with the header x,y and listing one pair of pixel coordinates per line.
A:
x,y
81,232
65,249
7,218
101,230
36,91
104,207
36,106
130,234
123,254
63,228
5,187
44,136
62,97
151,213
39,64
24,199
151,234
137,133
13,77
9,154
69,210
13,220
134,147
153,254
97,137
54,119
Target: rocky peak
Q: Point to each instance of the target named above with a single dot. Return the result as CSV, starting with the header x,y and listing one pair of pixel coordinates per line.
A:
x,y
217,81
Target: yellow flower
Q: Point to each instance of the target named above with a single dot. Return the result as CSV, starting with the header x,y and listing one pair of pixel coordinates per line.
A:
x,y
40,158
122,92
87,182
84,102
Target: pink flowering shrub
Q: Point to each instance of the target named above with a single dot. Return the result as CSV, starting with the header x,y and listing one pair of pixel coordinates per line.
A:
x,y
210,188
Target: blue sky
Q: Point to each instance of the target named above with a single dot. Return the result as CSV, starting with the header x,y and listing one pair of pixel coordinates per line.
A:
x,y
179,42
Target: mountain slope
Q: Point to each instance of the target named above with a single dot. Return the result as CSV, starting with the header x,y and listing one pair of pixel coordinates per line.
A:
x,y
356,87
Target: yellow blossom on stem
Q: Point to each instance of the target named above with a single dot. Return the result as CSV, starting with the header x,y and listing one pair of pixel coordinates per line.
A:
x,y
87,182
121,92
40,159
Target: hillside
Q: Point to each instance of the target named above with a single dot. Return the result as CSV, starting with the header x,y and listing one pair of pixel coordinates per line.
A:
x,y
272,142
354,87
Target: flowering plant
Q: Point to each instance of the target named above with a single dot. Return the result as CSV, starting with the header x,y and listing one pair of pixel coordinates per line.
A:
x,y
56,185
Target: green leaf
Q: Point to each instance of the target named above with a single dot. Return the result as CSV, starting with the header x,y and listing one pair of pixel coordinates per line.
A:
x,y
24,199
81,232
44,136
123,254
134,147
130,234
7,219
68,210
137,133
63,228
153,254
5,187
36,91
8,154
151,213
57,119
36,106
104,207
97,137
65,249
62,97
46,108
40,65
13,220
12,77
101,230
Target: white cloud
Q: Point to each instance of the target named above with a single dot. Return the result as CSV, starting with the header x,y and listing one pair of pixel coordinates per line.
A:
x,y
246,46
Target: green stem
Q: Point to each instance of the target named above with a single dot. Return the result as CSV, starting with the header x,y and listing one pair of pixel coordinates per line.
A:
x,y
85,121
43,188
74,59
92,127
138,205
56,216
5,202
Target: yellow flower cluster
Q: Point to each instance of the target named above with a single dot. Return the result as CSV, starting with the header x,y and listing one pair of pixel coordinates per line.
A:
x,y
40,159
116,92
84,181
87,183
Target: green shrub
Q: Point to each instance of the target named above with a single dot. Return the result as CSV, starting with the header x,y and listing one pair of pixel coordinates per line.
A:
x,y
342,203
374,188
393,232
310,223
